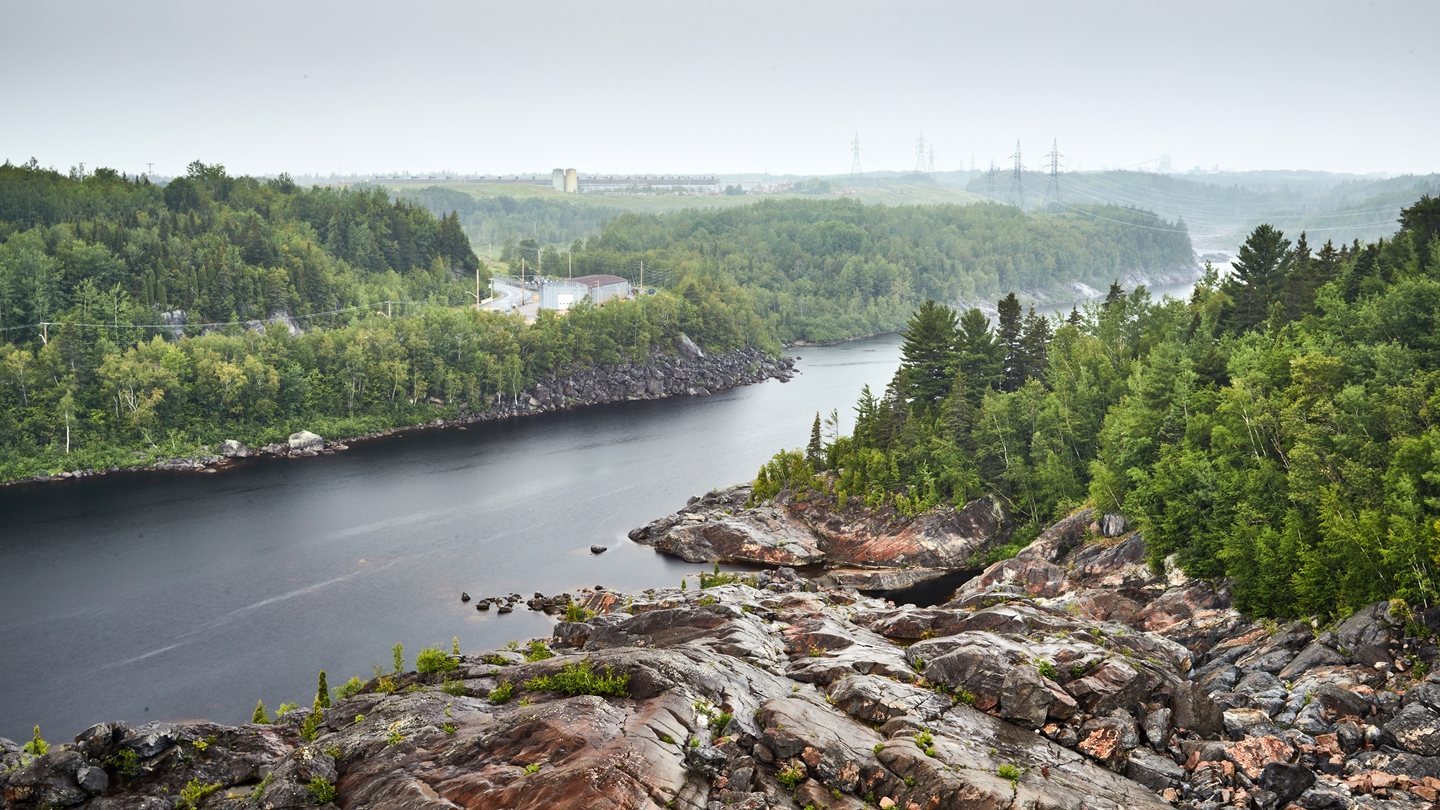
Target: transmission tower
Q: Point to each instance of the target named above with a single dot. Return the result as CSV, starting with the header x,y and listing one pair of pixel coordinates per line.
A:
x,y
920,154
1053,189
855,171
1017,180
990,182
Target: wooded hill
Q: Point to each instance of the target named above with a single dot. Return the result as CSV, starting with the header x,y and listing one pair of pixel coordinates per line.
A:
x,y
1281,427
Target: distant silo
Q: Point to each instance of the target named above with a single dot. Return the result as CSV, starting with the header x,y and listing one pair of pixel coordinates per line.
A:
x,y
572,181
558,181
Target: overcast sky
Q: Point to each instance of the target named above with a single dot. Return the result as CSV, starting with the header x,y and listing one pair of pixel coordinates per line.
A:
x,y
320,86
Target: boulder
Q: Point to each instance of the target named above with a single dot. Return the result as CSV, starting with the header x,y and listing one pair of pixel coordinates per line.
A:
x,y
305,440
1417,729
1286,780
1025,697
233,449
1153,770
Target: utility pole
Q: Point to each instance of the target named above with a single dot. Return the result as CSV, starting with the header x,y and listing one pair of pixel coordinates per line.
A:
x,y
642,274
920,154
1017,179
570,261
1053,190
149,169
855,171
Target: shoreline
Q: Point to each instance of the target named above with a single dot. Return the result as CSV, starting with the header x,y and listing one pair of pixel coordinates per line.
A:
x,y
687,372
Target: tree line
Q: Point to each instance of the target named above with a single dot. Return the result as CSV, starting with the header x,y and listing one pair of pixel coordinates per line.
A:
x,y
1281,427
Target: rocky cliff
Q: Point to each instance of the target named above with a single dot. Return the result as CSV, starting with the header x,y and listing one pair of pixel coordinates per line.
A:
x,y
1069,676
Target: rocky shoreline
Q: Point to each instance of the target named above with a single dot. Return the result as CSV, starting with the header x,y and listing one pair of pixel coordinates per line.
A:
x,y
1069,676
689,371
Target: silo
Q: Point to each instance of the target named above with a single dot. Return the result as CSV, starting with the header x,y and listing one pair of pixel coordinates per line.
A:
x,y
572,181
557,179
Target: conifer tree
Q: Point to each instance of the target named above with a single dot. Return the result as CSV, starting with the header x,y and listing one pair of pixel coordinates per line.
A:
x,y
815,452
1009,333
978,357
322,693
455,646
1034,342
928,353
261,717
1261,266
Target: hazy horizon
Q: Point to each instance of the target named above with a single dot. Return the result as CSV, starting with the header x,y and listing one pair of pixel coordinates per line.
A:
x,y
321,87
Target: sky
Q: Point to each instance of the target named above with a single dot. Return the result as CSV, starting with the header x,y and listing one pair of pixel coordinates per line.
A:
x,y
322,86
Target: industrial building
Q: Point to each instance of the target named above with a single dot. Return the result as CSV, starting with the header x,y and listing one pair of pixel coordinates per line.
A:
x,y
560,294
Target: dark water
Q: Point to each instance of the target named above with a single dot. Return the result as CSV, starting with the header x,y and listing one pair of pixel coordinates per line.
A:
x,y
180,596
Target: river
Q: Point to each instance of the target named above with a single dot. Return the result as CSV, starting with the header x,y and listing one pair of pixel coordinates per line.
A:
x,y
170,596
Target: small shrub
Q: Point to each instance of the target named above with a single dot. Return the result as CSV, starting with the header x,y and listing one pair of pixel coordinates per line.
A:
x,y
388,685
580,678
334,752
707,600
37,745
398,652
455,646
285,708
195,792
310,728
682,583
1008,771
395,737
126,764
434,659
694,742
575,613
322,693
924,739
453,688
449,728
537,651
1398,608
533,767
870,797
718,724
814,652
359,718
1078,670
512,645
927,634
666,738
909,781
495,659
965,696
261,717
502,693
878,748
350,689
930,752
919,664
790,777
1047,669
322,790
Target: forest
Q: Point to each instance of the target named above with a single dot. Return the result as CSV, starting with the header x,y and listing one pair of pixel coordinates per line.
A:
x,y
826,270
143,322
1281,427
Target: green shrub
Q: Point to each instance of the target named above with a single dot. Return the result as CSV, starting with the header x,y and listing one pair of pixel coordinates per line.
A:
x,y
537,651
580,678
965,696
351,688
790,777
878,748
395,738
1047,669
195,792
502,693
455,646
716,579
322,790
575,613
37,745
322,693
126,764
261,717
310,728
285,708
398,652
924,739
919,664
495,659
1008,771
532,768
666,738
388,685
434,659
910,781
448,728
454,688
718,724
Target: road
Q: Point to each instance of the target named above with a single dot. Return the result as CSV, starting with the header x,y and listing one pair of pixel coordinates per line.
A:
x,y
506,299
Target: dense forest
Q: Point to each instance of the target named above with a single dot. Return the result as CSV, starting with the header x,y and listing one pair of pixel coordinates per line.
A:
x,y
143,322
824,270
1281,427
493,222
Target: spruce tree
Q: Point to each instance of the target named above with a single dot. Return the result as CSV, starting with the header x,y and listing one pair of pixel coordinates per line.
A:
x,y
1074,318
455,646
1009,334
815,452
261,717
1034,342
1115,295
1261,266
978,357
322,693
928,353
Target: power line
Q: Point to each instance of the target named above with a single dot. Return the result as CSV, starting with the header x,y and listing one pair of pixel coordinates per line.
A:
x,y
1054,188
1017,180
855,171
920,154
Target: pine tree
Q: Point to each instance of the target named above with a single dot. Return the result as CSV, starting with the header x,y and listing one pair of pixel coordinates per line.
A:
x,y
1074,318
322,693
1009,334
979,357
1034,342
815,452
261,717
1115,295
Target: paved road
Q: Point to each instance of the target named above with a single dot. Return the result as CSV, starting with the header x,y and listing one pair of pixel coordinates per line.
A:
x,y
507,298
